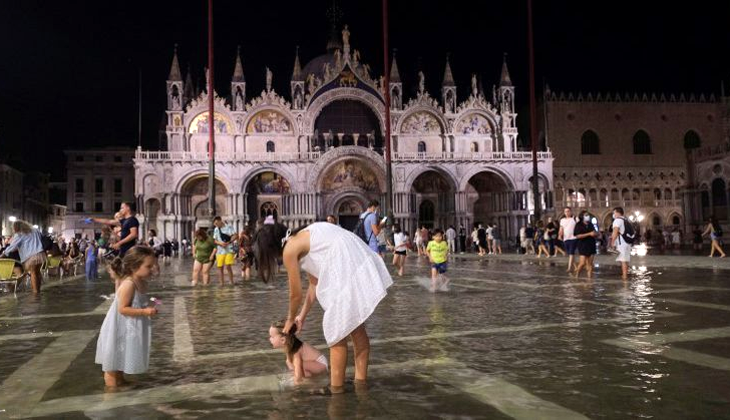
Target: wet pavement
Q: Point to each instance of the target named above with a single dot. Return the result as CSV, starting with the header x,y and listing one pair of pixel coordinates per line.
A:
x,y
514,337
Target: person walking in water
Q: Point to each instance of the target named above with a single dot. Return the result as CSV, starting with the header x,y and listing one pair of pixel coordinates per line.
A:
x,y
345,276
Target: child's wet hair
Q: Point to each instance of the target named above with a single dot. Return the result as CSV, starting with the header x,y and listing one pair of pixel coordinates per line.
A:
x,y
292,343
133,259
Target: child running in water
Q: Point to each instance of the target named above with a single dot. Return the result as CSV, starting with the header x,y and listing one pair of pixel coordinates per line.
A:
x,y
400,250
301,358
438,254
124,341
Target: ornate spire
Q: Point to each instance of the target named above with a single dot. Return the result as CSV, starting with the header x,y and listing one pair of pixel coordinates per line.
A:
x,y
297,73
238,70
505,79
394,75
189,88
175,74
448,77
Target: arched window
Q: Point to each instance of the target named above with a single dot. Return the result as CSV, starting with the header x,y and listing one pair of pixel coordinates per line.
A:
x,y
590,143
421,147
675,220
642,143
270,147
692,140
474,148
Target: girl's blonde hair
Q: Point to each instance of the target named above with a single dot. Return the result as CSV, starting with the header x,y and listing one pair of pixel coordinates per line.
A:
x,y
292,343
133,259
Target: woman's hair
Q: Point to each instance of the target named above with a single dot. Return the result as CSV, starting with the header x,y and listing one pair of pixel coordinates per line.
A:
x,y
582,214
201,234
267,249
153,232
712,221
133,259
292,343
396,228
20,226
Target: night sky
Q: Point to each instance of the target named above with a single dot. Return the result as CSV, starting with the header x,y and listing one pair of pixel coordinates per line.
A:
x,y
68,70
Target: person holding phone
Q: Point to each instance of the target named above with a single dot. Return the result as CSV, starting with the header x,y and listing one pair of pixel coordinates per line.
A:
x,y
371,224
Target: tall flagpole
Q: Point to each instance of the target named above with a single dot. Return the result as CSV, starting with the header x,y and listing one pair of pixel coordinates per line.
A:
x,y
211,117
386,88
533,115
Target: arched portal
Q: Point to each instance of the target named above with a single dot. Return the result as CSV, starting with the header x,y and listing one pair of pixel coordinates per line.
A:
x,y
486,196
348,211
434,197
264,195
194,198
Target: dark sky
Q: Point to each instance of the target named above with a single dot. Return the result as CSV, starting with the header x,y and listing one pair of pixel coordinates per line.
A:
x,y
68,69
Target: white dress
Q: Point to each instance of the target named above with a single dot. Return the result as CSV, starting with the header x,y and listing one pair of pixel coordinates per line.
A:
x,y
124,341
352,279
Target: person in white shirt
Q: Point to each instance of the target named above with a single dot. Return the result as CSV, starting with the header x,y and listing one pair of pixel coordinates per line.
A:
x,y
490,238
676,238
400,248
566,234
451,239
618,242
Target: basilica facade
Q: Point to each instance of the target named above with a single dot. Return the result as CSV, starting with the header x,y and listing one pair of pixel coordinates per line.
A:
x,y
319,150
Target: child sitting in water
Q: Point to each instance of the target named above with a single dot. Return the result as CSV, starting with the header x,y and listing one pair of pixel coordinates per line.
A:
x,y
302,358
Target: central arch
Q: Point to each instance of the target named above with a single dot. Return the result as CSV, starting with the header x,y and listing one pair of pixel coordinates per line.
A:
x,y
434,198
264,192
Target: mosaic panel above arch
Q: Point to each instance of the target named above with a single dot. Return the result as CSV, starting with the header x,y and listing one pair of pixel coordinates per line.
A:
x,y
200,124
269,121
350,173
421,123
474,124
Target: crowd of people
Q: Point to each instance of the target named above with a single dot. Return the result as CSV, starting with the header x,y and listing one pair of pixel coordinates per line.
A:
x,y
345,271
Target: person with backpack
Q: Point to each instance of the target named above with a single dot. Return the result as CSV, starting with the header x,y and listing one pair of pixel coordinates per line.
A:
x,y
622,239
715,231
368,227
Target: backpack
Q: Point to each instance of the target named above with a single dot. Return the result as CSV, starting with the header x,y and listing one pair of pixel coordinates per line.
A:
x,y
360,229
46,242
629,235
717,230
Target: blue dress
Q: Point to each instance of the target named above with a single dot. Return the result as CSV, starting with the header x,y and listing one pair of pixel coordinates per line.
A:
x,y
124,341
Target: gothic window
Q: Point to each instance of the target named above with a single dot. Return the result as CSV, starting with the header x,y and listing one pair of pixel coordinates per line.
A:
x,y
421,147
691,140
675,220
642,143
590,144
270,147
474,148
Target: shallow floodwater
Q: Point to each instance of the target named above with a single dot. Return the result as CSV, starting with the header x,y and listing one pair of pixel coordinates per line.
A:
x,y
507,340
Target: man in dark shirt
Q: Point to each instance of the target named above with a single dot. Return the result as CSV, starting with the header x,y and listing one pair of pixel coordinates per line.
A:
x,y
130,227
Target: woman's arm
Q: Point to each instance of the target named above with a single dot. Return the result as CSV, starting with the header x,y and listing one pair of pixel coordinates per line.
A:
x,y
707,231
308,301
291,262
14,243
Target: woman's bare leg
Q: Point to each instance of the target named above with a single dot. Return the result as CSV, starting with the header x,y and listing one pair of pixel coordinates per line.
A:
x,y
206,273
196,272
338,364
361,345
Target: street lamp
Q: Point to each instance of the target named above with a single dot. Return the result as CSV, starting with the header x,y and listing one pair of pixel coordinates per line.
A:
x,y
637,217
12,219
35,226
50,230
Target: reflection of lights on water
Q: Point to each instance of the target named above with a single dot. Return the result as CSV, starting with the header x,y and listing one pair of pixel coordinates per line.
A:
x,y
640,250
642,269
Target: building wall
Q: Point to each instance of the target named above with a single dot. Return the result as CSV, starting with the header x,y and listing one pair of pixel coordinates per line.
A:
x,y
88,169
652,184
11,197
